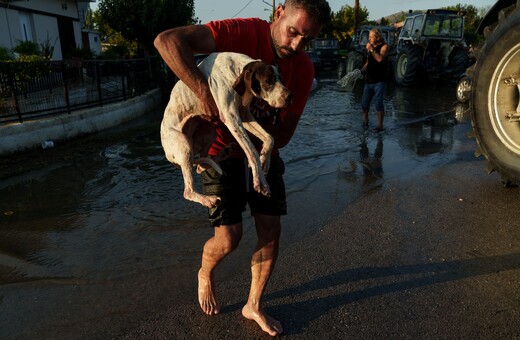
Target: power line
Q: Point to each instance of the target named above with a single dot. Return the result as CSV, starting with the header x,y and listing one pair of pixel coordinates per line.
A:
x,y
237,13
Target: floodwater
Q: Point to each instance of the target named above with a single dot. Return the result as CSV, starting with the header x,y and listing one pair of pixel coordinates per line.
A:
x,y
98,226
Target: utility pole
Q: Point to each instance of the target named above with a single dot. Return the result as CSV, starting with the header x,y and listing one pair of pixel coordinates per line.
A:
x,y
273,7
356,15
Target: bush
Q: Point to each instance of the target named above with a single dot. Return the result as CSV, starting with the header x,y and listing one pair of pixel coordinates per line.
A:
x,y
27,48
82,53
5,54
47,48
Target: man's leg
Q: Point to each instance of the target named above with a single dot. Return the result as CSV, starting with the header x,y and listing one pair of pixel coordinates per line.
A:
x,y
224,241
365,103
262,264
380,106
226,218
365,119
380,119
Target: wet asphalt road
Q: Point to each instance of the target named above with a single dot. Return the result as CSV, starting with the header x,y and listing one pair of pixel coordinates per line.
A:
x,y
412,241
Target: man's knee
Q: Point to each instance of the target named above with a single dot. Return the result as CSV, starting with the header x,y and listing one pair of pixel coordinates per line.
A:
x,y
268,228
228,237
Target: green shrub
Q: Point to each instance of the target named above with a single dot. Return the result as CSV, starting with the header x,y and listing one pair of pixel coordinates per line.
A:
x,y
82,53
47,49
27,48
5,54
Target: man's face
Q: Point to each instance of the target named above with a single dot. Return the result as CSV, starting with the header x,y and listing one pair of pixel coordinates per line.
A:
x,y
292,30
373,38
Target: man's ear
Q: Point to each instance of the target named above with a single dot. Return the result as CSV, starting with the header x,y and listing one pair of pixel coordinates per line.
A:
x,y
279,12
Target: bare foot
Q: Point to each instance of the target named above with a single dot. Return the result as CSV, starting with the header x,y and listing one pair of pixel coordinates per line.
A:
x,y
267,323
207,299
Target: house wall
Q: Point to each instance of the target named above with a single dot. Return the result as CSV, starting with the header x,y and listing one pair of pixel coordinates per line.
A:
x,y
43,17
50,32
94,39
9,27
66,8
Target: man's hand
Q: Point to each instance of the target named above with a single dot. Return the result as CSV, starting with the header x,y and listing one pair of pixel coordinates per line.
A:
x,y
369,47
210,109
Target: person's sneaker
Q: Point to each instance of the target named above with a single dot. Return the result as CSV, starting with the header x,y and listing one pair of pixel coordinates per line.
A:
x,y
378,129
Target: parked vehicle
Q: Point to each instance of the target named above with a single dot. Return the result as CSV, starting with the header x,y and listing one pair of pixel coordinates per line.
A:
x,y
356,56
316,61
326,50
431,47
495,91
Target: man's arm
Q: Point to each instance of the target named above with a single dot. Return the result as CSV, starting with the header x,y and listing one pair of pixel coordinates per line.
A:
x,y
377,56
177,47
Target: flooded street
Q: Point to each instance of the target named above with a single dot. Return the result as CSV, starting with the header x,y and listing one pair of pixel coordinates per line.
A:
x,y
97,230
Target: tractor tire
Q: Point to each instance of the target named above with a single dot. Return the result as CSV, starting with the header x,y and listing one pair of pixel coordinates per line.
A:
x,y
495,97
459,61
354,61
408,66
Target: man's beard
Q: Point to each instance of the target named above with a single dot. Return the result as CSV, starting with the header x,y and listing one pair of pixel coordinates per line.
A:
x,y
285,52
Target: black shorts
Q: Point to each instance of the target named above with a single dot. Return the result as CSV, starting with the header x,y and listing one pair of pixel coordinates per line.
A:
x,y
232,188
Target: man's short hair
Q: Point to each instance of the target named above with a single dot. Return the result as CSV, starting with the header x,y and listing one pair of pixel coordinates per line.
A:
x,y
317,9
378,34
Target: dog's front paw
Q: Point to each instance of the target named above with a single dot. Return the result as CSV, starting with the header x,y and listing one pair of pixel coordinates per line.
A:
x,y
262,188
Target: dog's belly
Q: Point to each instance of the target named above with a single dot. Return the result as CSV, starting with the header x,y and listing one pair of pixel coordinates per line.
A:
x,y
202,135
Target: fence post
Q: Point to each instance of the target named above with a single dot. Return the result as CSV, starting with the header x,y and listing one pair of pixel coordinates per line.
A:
x,y
14,90
65,85
98,78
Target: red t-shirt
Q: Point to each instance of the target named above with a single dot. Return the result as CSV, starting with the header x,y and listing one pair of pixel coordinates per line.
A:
x,y
252,37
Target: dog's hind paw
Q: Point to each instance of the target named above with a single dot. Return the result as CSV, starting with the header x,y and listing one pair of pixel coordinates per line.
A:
x,y
210,201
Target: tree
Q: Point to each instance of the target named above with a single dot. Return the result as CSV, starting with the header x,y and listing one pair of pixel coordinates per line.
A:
x,y
342,23
142,20
118,46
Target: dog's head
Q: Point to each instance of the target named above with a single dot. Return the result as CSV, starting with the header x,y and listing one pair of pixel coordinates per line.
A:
x,y
261,80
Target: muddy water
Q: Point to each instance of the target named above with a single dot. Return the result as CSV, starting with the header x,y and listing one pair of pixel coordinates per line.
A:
x,y
98,226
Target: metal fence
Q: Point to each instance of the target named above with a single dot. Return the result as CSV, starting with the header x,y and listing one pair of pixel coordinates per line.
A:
x,y
34,90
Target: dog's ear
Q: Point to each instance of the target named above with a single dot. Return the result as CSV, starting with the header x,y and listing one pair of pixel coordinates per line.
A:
x,y
243,81
246,84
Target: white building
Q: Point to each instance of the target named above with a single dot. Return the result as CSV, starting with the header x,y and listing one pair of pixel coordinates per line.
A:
x,y
62,22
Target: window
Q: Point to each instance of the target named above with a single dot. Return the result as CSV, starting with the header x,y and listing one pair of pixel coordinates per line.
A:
x,y
25,26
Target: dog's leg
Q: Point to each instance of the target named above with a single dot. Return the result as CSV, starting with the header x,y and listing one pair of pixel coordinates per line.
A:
x,y
177,148
251,125
235,126
189,192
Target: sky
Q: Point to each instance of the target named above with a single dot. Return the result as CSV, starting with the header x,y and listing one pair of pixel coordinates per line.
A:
x,y
207,10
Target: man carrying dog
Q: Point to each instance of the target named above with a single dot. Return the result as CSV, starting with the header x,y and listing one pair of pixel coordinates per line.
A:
x,y
281,42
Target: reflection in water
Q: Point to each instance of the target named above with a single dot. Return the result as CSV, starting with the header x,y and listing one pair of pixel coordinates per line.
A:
x,y
371,162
